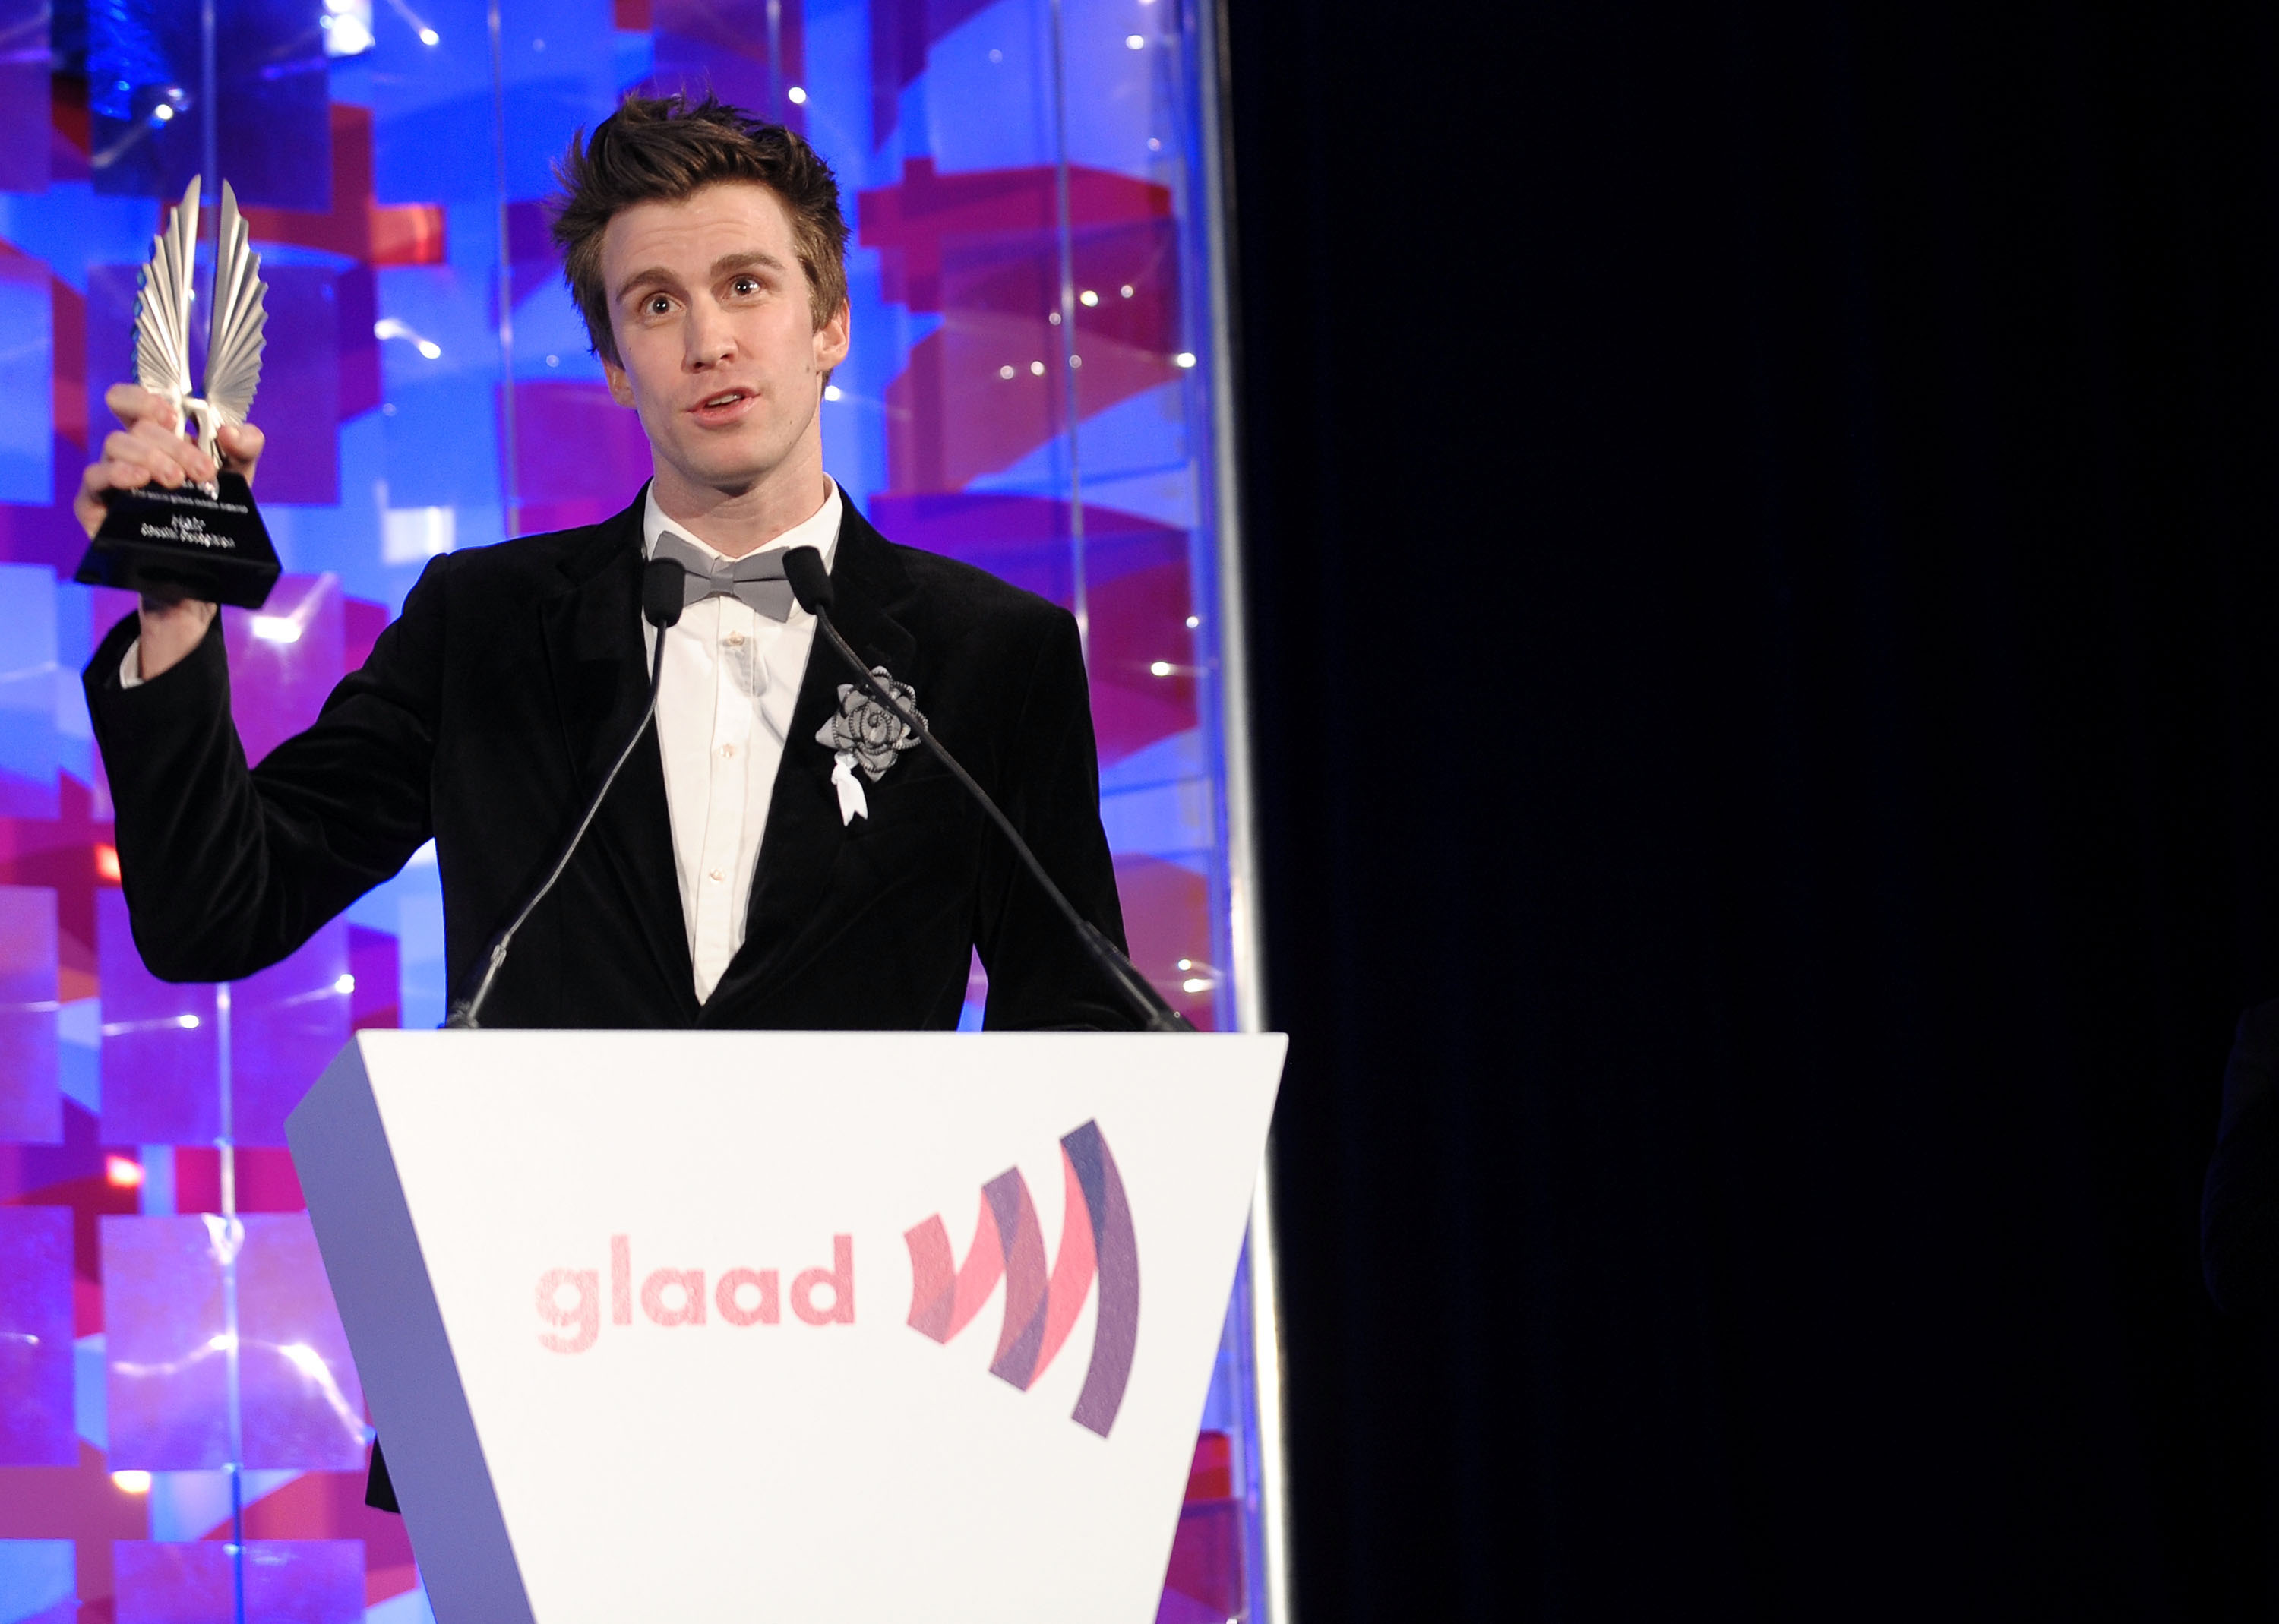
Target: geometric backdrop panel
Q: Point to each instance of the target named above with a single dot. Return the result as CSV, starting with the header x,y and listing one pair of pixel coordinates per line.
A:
x,y
159,1044
165,1338
31,1106
286,1581
35,1337
167,1344
303,1404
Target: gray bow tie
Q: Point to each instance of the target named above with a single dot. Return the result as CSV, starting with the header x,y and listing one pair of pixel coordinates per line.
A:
x,y
757,578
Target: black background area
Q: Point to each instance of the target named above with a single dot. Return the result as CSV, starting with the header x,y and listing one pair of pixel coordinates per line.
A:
x,y
1763,534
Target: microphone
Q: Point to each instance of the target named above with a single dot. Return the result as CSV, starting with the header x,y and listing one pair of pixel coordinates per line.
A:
x,y
661,594
810,584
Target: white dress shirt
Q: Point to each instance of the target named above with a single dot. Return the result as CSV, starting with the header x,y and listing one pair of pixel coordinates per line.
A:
x,y
731,676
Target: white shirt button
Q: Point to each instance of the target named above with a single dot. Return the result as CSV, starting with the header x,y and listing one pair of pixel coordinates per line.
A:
x,y
734,639
718,877
728,749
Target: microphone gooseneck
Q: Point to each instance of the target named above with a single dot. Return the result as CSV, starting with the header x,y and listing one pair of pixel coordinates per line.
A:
x,y
661,605
810,584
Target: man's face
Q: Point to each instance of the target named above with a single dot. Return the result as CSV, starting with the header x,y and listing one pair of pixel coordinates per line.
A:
x,y
719,349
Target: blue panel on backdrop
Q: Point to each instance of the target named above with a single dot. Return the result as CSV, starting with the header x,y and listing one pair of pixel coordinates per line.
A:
x,y
24,140
39,1582
28,357
37,1423
431,103
275,133
31,750
71,226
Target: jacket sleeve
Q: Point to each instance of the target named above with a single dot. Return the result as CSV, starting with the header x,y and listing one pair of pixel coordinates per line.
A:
x,y
2239,1206
225,868
1049,785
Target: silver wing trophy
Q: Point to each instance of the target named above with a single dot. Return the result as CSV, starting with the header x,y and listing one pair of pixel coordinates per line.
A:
x,y
200,540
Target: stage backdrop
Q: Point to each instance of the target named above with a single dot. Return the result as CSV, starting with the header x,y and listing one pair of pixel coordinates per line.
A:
x,y
182,1430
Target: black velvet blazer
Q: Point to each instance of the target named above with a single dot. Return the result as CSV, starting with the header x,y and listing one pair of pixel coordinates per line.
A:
x,y
488,714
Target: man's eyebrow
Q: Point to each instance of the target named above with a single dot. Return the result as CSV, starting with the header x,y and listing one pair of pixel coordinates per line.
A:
x,y
646,275
748,256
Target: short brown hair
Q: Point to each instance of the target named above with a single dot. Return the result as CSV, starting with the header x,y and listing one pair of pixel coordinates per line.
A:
x,y
660,149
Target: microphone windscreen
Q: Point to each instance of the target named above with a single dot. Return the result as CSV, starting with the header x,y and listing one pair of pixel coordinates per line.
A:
x,y
663,590
811,582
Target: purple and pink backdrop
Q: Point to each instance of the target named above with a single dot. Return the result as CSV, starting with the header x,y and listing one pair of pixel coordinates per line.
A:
x,y
182,1433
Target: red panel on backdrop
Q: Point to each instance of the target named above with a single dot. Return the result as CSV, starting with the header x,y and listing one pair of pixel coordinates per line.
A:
x,y
1167,922
909,221
577,450
357,226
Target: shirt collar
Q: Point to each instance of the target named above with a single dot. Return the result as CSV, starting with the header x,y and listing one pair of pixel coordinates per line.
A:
x,y
819,530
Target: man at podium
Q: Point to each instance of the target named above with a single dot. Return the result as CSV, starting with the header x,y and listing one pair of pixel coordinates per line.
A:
x,y
773,853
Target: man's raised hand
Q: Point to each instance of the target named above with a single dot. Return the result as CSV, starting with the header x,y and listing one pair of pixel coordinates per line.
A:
x,y
149,447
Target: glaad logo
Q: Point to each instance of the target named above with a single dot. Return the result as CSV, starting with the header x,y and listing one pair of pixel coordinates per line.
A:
x,y
1097,1242
569,1300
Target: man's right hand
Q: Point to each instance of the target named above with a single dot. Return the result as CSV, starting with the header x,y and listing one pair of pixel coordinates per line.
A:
x,y
148,446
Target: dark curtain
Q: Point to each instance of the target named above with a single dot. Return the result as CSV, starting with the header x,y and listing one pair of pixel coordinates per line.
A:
x,y
1763,569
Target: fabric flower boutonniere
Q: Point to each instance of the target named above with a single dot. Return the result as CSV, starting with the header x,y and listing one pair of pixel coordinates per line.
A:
x,y
862,732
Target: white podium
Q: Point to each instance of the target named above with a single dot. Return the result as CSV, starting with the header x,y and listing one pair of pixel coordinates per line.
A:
x,y
699,1326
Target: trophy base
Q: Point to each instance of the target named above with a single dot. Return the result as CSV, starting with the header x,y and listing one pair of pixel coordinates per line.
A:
x,y
185,542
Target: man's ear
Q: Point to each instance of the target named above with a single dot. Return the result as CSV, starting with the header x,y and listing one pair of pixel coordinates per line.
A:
x,y
621,387
834,338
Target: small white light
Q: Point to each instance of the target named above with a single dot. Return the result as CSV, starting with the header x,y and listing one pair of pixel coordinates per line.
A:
x,y
189,1023
1037,368
1004,371
554,360
1185,358
1161,668
277,628
1087,298
1187,964
162,112
428,36
1193,621
798,96
1154,145
430,348
130,1483
1054,318
344,984
1076,360
1132,41
1126,290
831,393
223,1344
1195,983
996,55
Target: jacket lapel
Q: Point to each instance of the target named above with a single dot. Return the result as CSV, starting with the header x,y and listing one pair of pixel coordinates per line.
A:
x,y
599,669
805,835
